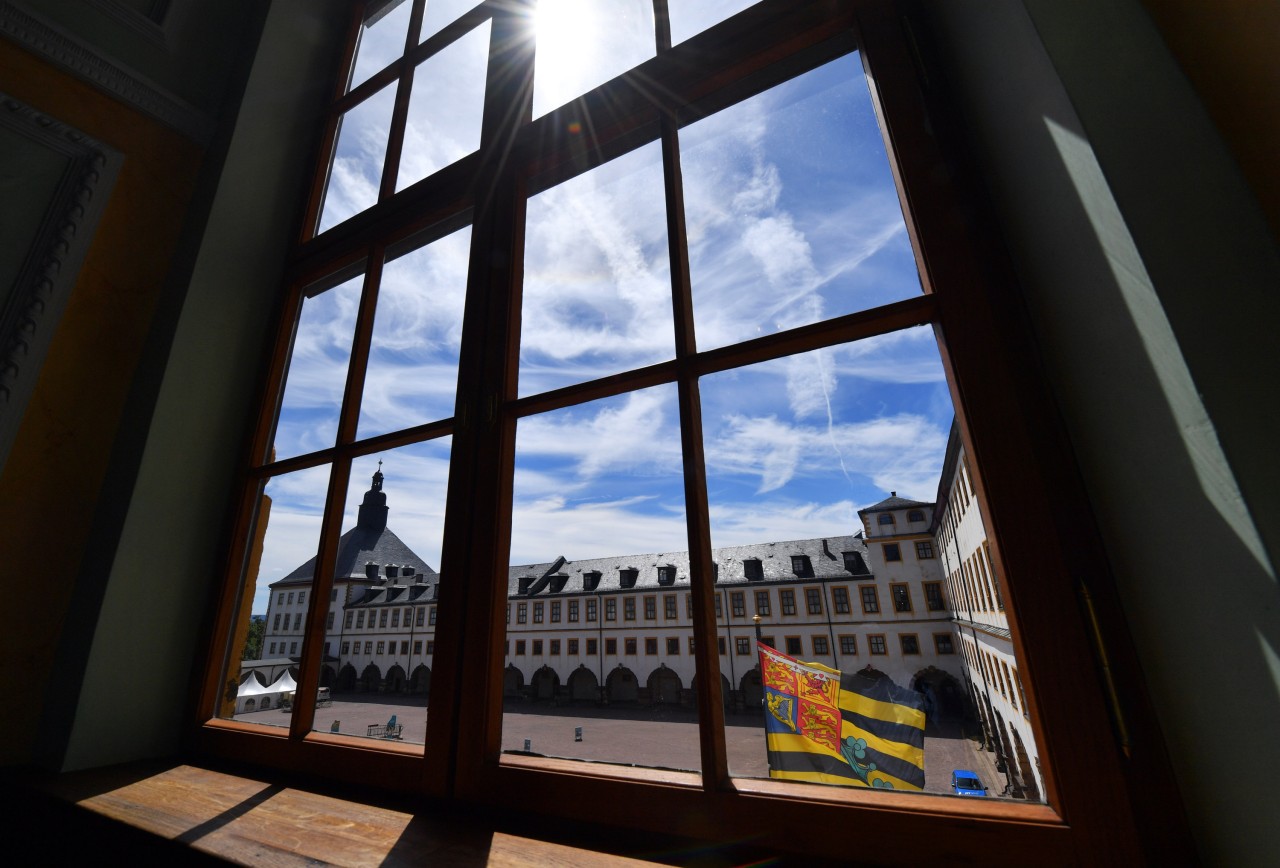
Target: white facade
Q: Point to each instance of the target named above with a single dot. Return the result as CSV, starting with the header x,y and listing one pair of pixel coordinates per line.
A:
x,y
991,671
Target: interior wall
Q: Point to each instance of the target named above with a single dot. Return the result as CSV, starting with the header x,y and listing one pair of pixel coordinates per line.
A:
x,y
52,481
1150,281
170,552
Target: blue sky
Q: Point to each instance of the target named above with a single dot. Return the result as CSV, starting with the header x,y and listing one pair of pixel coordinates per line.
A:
x,y
792,218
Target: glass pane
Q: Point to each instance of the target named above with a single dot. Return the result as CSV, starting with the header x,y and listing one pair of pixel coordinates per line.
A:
x,y
792,213
381,38
691,17
440,13
445,107
356,172
412,376
823,477
380,630
581,44
597,285
278,593
598,662
318,370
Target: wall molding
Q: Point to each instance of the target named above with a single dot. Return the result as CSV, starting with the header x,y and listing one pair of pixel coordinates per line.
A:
x,y
70,54
29,314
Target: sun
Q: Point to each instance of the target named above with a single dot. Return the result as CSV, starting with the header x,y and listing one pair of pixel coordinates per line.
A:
x,y
565,45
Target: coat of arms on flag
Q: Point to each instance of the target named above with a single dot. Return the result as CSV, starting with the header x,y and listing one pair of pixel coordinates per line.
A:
x,y
840,729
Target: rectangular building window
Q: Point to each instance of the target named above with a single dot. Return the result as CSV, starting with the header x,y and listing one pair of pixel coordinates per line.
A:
x,y
382,618
395,618
555,646
719,608
417,647
346,648
820,645
942,643
630,646
875,642
431,646
573,611
737,602
933,596
275,625
690,646
302,597
870,602
360,620
670,611
688,605
522,613
611,646
611,609
720,645
753,569
892,552
573,647
762,602
742,646
404,646
910,644
813,600
794,646
520,646
840,600
849,645
297,621
787,601
901,598
592,610
555,612
924,549
651,608
593,647
291,598
328,620
538,609
382,647
347,619
629,608
431,620
273,648
537,647
422,614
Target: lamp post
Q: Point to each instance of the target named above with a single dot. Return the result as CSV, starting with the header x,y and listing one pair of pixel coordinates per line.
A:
x,y
756,620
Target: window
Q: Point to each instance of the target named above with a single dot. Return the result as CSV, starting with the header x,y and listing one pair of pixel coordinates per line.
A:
x,y
593,647
275,625
538,609
901,598
381,647
794,646
630,646
293,648
690,646
742,646
555,612
522,613
368,647
302,596
670,608
629,608
820,645
849,645
328,620
719,608
924,550
404,646
942,643
333,595
787,601
800,565
280,599
915,515
840,600
573,611
854,563
382,618
422,613
885,518
273,648
417,646
813,600
360,621
537,647
502,345
892,552
651,608
933,596
297,621
611,609
347,619
910,644
573,647
720,645
870,602
555,646
875,642
345,648
431,646
611,646
431,616
395,618
762,602
737,603
666,575
291,598
592,610
520,647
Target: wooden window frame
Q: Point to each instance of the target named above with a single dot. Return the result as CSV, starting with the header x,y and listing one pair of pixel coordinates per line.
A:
x,y
1109,786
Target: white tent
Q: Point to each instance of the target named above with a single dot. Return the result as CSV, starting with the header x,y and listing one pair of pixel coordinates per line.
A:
x,y
249,695
283,684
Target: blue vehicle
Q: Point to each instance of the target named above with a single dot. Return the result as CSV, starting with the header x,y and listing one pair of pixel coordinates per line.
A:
x,y
966,783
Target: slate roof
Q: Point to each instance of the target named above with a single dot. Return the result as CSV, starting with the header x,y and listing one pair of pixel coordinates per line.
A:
x,y
359,546
398,595
825,556
894,502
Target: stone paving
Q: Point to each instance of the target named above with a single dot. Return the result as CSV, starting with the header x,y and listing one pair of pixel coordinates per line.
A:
x,y
664,737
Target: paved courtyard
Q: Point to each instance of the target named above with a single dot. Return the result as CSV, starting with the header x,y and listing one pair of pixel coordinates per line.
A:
x,y
663,737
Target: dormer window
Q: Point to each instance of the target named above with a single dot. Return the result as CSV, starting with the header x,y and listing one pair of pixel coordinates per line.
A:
x,y
753,569
800,565
667,575
591,580
854,563
558,582
886,518
915,515
524,584
627,577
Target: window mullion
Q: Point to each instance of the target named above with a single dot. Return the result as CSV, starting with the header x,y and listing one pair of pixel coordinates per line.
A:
x,y
400,113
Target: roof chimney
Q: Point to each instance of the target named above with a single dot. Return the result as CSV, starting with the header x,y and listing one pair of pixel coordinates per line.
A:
x,y
392,571
893,494
371,570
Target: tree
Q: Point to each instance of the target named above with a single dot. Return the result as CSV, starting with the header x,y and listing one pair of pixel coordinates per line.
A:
x,y
253,640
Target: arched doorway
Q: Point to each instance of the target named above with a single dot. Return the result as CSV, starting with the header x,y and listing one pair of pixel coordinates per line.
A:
x,y
421,681
944,698
664,686
621,685
512,681
370,679
583,685
1031,788
752,690
346,679
545,683
326,676
395,679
